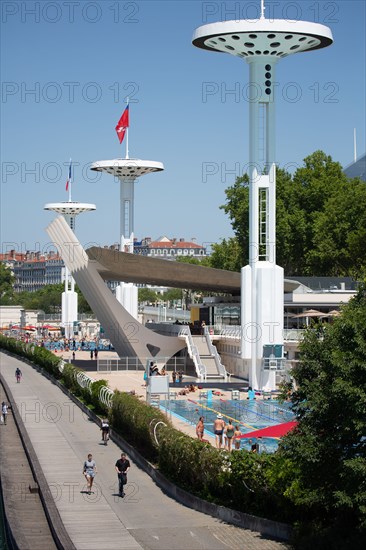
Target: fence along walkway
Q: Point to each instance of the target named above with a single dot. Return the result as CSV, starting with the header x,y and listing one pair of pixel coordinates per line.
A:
x,y
146,518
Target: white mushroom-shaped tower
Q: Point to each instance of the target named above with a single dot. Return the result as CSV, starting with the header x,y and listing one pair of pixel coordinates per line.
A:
x,y
69,305
262,43
127,170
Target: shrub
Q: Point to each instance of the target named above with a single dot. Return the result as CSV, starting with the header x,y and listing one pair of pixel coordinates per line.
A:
x,y
135,421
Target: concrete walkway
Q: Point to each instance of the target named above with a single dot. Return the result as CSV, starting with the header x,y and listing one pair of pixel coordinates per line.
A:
x,y
146,518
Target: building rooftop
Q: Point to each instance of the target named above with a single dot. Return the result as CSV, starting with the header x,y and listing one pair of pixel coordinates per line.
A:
x,y
357,169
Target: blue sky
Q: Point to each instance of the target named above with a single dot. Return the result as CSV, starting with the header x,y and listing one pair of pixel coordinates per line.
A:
x,y
67,68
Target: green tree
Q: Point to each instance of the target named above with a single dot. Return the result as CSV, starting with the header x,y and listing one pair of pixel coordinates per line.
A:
x,y
227,255
49,299
237,208
328,449
147,295
83,305
172,294
320,221
339,232
205,261
6,285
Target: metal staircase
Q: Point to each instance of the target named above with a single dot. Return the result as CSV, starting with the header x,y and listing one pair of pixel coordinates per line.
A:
x,y
204,355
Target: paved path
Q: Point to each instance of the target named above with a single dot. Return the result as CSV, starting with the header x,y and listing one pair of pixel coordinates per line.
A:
x,y
146,518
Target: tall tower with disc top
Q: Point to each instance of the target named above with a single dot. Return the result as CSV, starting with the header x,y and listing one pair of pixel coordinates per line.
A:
x,y
127,170
262,43
69,210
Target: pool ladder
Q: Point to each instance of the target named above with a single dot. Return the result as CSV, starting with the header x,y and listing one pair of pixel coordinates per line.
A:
x,y
155,400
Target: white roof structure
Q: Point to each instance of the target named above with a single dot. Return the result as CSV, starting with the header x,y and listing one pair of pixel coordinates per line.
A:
x,y
124,168
69,208
264,37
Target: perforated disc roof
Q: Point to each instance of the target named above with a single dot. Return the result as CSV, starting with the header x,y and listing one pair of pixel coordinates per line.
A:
x,y
264,37
132,168
71,208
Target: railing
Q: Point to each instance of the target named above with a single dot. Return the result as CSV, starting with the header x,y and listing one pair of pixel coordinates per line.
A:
x,y
231,331
193,352
213,351
274,363
234,331
60,345
161,313
138,364
56,317
105,394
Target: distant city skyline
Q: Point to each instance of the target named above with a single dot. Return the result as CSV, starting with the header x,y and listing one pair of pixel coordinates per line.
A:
x,y
68,71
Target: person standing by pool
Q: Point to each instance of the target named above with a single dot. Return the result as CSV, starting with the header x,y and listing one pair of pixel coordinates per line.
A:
x,y
251,394
200,428
89,471
237,435
219,426
229,433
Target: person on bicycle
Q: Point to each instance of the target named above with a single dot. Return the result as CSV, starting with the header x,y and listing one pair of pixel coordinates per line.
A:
x,y
105,431
18,374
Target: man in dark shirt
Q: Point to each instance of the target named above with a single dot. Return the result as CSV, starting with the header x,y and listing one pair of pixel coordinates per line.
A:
x,y
122,466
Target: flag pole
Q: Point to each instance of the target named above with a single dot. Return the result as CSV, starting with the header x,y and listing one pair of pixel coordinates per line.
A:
x,y
70,181
127,130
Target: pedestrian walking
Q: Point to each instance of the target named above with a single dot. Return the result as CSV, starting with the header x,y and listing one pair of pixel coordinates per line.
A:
x,y
91,354
4,411
105,431
122,466
89,471
18,374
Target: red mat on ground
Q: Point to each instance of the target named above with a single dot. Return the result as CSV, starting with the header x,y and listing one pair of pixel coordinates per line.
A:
x,y
272,431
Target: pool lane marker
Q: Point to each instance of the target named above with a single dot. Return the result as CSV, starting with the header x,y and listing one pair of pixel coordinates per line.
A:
x,y
254,412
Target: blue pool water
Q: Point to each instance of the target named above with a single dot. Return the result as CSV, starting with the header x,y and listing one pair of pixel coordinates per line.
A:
x,y
249,415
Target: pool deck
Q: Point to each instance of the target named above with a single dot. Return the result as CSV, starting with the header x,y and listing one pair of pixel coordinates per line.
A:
x,y
132,380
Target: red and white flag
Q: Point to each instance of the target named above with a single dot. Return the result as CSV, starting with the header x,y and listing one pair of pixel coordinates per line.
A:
x,y
123,124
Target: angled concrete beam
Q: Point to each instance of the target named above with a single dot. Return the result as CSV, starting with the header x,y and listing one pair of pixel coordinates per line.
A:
x,y
129,338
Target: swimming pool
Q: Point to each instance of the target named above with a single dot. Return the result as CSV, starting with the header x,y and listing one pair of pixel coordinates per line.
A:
x,y
249,415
